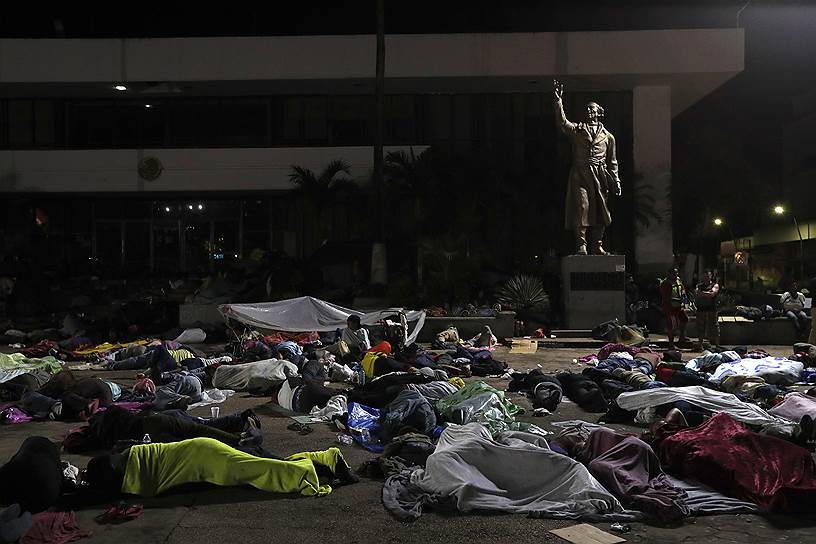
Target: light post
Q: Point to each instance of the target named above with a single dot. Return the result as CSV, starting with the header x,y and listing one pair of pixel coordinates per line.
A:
x,y
780,210
719,222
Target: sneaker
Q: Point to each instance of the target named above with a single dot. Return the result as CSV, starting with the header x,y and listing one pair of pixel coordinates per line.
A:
x,y
251,419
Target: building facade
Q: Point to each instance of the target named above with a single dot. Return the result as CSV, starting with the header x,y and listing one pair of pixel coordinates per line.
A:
x,y
171,154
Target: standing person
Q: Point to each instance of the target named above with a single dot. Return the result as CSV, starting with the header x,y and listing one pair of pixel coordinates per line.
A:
x,y
594,173
793,304
674,296
705,297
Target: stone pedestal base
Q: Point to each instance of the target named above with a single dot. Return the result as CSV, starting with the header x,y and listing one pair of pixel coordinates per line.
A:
x,y
593,289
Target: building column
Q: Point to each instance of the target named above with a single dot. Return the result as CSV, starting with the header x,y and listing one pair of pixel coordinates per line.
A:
x,y
651,124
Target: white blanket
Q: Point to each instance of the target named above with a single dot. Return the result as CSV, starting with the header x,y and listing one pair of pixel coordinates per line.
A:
x,y
708,399
774,370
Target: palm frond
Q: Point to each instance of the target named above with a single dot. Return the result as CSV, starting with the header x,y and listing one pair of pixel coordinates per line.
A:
x,y
330,174
302,177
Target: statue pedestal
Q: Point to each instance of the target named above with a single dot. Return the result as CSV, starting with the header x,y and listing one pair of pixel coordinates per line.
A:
x,y
594,289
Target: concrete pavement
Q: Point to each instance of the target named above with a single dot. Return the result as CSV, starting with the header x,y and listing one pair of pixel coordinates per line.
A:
x,y
355,514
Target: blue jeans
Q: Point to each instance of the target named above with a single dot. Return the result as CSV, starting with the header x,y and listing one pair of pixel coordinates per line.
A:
x,y
154,356
181,386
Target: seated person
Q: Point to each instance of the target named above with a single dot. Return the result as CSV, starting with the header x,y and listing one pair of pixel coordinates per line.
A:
x,y
793,304
152,469
485,339
356,337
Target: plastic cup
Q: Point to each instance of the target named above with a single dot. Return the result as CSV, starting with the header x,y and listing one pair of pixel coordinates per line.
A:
x,y
214,411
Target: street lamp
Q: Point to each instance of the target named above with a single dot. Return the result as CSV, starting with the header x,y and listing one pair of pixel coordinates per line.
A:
x,y
719,222
780,210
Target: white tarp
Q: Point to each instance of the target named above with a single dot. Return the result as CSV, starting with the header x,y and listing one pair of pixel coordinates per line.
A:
x,y
304,314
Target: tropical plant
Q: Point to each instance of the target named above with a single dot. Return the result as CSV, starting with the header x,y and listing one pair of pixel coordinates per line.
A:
x,y
410,175
523,292
645,214
316,190
316,187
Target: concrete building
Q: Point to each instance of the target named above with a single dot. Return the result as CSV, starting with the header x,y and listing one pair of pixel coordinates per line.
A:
x,y
222,120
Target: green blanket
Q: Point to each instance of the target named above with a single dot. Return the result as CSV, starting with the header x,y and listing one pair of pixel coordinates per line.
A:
x,y
497,417
18,361
154,468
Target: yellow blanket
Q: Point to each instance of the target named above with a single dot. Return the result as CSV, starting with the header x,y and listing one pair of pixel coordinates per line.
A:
x,y
107,346
154,468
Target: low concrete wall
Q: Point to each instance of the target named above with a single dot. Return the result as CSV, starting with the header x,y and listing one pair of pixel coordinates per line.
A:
x,y
739,332
468,327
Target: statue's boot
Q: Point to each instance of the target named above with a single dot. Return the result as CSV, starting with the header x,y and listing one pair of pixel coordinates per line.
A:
x,y
596,240
580,232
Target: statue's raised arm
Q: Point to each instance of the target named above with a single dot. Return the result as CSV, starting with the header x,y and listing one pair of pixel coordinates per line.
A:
x,y
560,118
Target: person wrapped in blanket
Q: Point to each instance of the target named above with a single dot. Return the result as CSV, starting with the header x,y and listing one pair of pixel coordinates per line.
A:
x,y
33,477
151,469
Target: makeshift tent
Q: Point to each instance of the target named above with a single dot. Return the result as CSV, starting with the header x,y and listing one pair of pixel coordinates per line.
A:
x,y
311,314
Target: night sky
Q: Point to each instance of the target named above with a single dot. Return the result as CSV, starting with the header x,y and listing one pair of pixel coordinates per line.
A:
x,y
729,143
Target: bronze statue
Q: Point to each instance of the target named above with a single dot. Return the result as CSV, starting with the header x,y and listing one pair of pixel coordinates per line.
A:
x,y
594,171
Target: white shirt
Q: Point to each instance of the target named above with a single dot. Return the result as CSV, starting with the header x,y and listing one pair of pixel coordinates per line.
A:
x,y
793,301
358,338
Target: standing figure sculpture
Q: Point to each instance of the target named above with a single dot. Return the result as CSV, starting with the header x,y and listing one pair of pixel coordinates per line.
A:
x,y
593,174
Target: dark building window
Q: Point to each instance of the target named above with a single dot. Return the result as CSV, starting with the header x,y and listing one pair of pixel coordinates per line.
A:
x,y
20,123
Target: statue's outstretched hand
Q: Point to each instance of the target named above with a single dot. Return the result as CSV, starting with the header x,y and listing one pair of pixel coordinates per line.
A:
x,y
558,89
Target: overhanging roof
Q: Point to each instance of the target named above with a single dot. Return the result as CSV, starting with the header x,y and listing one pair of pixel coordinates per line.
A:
x,y
693,62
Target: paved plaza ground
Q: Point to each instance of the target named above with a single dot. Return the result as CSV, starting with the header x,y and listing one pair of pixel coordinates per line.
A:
x,y
355,514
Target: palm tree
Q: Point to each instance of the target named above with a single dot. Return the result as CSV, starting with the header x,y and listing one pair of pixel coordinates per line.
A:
x,y
645,214
316,189
411,175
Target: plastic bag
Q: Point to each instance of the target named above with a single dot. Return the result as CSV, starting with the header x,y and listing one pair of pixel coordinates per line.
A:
x,y
13,415
364,417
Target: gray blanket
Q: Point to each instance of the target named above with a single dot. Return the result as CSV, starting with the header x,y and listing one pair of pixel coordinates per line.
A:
x,y
517,472
239,377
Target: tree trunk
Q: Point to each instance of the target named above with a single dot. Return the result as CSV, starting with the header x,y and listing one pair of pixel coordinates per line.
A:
x,y
379,99
379,266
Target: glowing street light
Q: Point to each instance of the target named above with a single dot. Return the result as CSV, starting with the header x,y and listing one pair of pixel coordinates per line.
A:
x,y
718,222
780,210
120,87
